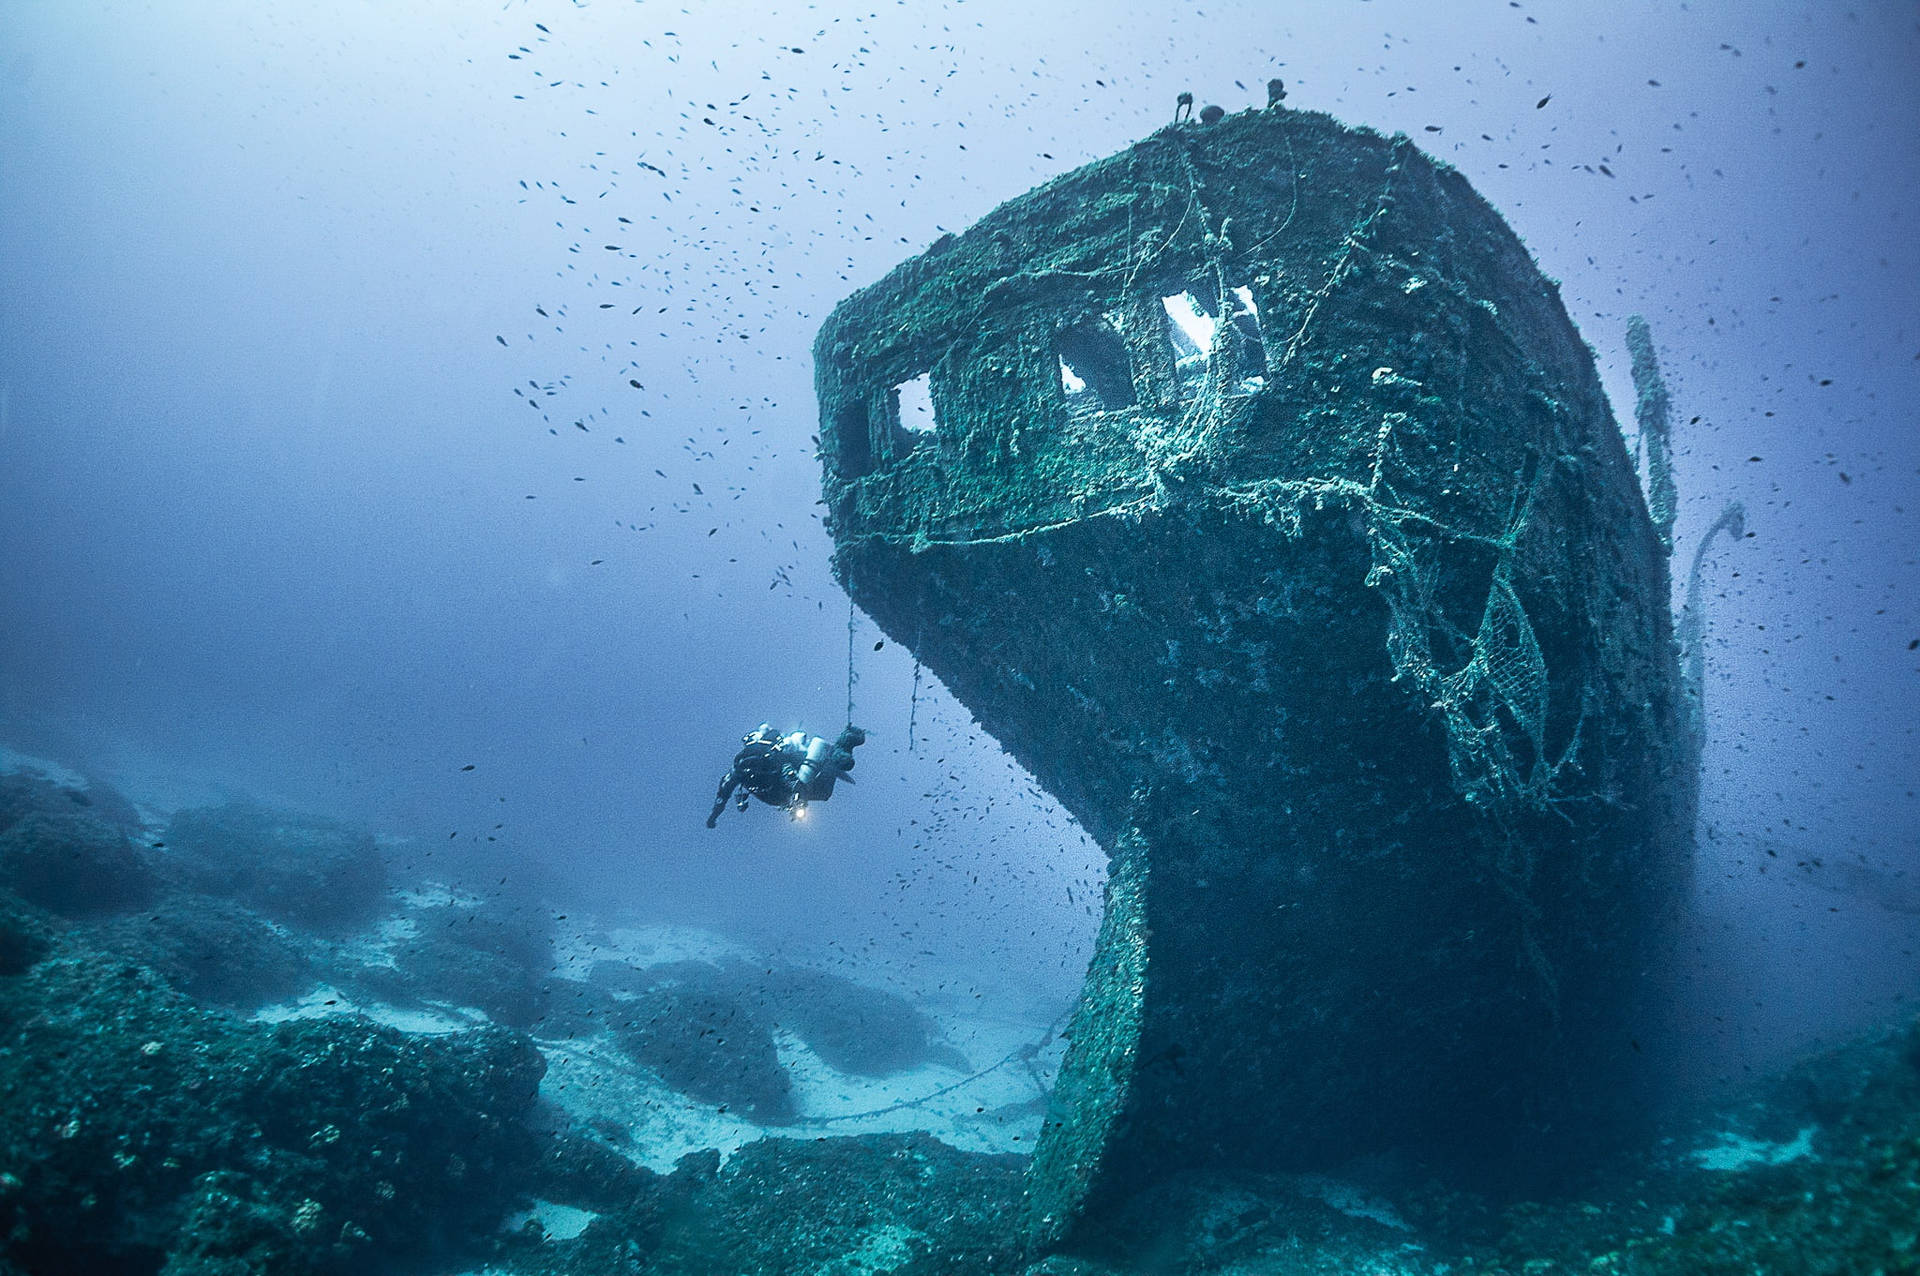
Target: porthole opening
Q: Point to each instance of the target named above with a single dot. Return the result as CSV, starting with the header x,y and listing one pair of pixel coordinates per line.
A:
x,y
913,405
1094,368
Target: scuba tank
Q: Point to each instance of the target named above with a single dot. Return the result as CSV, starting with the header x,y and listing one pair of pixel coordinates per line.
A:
x,y
818,759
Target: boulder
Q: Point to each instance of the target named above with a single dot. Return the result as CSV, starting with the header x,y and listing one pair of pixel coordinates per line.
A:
x,y
708,1038
214,950
73,863
308,872
140,1132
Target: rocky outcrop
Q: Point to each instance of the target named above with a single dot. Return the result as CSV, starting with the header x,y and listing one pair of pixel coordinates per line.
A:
x,y
139,1130
703,1036
304,871
216,951
68,860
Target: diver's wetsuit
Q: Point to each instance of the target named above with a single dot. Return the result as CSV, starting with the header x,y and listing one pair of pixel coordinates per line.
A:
x,y
757,768
787,771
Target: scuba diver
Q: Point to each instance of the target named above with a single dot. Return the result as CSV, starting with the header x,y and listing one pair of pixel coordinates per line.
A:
x,y
787,771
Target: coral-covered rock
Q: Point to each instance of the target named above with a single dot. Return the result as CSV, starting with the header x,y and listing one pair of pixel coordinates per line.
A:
x,y
854,1027
308,872
212,949
23,936
494,957
24,793
707,1038
878,1203
73,863
135,1126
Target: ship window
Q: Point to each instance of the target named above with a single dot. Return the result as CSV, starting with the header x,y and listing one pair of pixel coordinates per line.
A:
x,y
913,401
1190,329
1094,368
1252,352
855,439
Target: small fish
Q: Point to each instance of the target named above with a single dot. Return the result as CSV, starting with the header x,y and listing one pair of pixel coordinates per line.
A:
x,y
880,644
467,767
1543,101
635,384
502,340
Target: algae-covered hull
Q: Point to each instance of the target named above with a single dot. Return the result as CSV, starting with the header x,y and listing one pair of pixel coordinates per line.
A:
x,y
1269,510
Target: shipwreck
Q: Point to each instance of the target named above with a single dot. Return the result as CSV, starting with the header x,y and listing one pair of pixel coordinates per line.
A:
x,y
1254,489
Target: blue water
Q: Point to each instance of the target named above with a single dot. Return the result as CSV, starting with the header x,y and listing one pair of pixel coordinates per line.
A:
x,y
406,419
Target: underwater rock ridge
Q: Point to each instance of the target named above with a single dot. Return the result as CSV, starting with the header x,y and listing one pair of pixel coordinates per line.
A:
x,y
142,1132
164,1110
1254,489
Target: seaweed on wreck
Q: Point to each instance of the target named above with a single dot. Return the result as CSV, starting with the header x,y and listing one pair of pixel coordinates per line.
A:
x,y
1270,511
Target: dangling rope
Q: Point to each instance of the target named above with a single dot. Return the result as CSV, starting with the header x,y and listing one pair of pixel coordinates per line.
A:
x,y
913,705
850,676
1293,167
913,702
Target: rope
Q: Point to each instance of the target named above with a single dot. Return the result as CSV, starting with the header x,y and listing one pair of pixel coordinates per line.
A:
x,y
1293,168
918,541
1193,197
1026,1052
913,705
1355,239
850,677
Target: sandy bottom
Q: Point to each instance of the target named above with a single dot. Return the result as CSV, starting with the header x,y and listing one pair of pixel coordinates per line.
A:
x,y
996,1105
